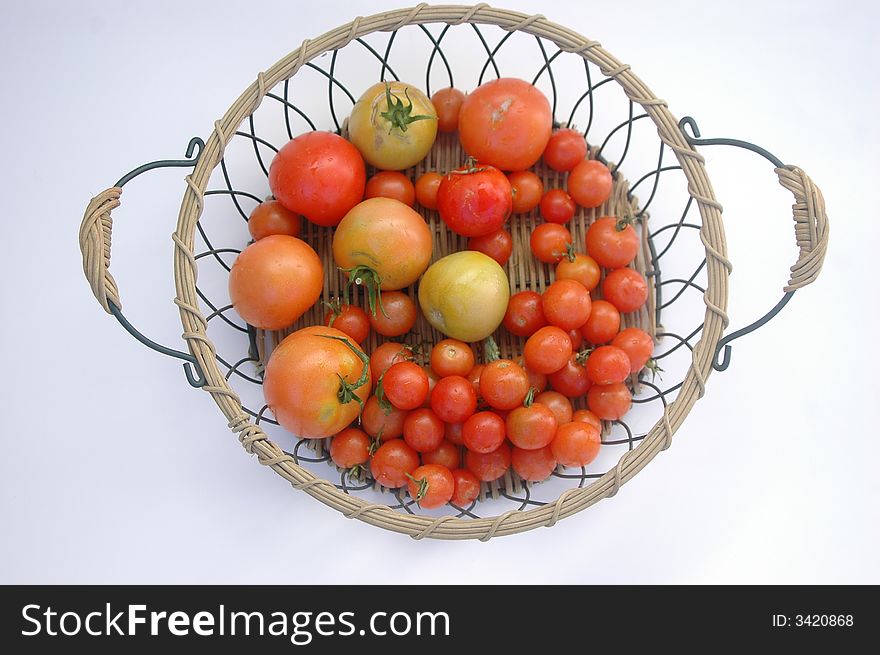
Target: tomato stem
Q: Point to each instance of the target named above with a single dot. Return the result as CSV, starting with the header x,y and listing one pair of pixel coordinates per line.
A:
x,y
582,356
369,279
348,391
384,403
621,223
491,352
355,472
570,254
400,114
423,486
375,442
530,397
335,308
654,366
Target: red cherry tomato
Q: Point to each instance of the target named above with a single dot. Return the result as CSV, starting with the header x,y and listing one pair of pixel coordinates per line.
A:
x,y
391,462
608,364
609,246
271,217
557,206
350,448
576,444
447,454
550,242
603,324
504,384
638,346
349,319
586,416
474,201
566,149
609,401
572,379
547,350
527,189
558,404
391,184
447,102
423,430
576,338
405,385
454,399
381,423
431,485
474,378
590,183
452,357
533,465
483,432
387,354
426,189
396,316
498,245
626,289
582,268
488,466
566,304
453,433
467,488
525,314
531,427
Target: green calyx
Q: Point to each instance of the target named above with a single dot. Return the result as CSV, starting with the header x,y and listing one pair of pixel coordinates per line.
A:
x,y
653,366
369,279
347,390
400,114
491,352
530,397
423,486
621,223
582,357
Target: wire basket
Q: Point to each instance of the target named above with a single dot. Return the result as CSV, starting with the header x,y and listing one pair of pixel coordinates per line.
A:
x,y
659,178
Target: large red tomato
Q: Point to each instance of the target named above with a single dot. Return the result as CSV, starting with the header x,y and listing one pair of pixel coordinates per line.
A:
x,y
319,175
475,200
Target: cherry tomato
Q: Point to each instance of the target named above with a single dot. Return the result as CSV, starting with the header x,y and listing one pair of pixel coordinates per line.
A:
x,y
590,183
525,314
531,427
452,357
503,384
506,123
557,206
405,385
433,379
271,217
626,289
426,189
488,466
586,416
566,304
576,338
547,350
453,399
483,432
380,423
447,454
582,268
349,319
319,175
612,243
453,433
498,245
533,465
550,242
474,378
558,404
391,462
566,149
467,488
391,184
447,102
603,324
431,485
576,444
609,401
350,448
387,354
608,364
527,189
423,430
572,379
474,201
274,281
396,314
638,346
537,381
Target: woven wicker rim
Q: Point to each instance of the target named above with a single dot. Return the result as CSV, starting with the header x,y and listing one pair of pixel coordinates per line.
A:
x,y
569,502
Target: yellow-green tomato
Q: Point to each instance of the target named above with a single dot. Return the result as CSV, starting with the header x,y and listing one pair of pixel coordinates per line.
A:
x,y
393,124
464,295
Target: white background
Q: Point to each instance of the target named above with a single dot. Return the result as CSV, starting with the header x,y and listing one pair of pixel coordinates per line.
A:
x,y
114,470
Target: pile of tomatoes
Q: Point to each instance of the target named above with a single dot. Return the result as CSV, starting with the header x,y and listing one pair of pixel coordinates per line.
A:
x,y
443,421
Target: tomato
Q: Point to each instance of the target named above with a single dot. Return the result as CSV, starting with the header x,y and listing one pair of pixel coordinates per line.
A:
x,y
474,378
423,430
464,295
638,346
316,381
557,206
382,243
271,217
566,304
391,462
590,183
608,364
447,454
525,314
566,149
582,268
453,433
452,357
405,385
393,124
611,242
391,184
531,427
498,245
349,319
603,324
467,488
576,444
503,384
474,200
483,432
350,448
547,350
527,189
506,123
453,399
609,401
626,289
382,423
387,354
396,315
275,280
576,338
447,103
426,189
319,175
488,466
533,465
586,416
572,379
537,381
550,242
558,404
433,379
431,486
